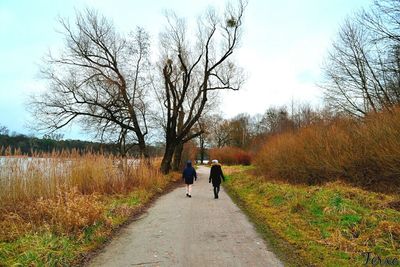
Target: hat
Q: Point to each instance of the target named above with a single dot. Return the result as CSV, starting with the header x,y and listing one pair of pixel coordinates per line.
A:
x,y
214,161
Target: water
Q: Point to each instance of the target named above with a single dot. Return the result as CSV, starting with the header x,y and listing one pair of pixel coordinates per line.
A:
x,y
10,166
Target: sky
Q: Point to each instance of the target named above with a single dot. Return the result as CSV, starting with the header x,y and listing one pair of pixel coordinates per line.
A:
x,y
282,49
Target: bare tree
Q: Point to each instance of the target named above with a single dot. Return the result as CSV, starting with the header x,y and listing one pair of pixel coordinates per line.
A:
x,y
362,71
240,130
276,120
202,126
303,114
219,132
192,69
205,125
4,130
383,20
99,80
352,81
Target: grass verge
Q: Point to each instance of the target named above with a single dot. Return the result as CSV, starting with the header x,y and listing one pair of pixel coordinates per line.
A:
x,y
45,245
60,215
329,225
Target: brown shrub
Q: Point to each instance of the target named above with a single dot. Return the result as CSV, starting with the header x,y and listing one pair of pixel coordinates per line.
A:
x,y
365,153
230,155
190,151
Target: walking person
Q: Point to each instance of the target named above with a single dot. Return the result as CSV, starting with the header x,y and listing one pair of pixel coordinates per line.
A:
x,y
215,177
188,175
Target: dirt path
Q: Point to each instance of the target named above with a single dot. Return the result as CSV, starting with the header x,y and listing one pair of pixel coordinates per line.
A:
x,y
181,231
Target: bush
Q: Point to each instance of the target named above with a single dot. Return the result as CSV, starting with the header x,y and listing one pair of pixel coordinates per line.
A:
x,y
230,155
364,153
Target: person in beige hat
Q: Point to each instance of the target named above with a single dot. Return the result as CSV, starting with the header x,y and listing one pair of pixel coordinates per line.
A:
x,y
216,175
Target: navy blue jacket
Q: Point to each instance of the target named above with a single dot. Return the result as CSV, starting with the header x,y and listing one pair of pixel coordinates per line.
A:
x,y
189,173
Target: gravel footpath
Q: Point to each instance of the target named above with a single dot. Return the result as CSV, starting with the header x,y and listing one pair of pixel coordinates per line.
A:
x,y
182,231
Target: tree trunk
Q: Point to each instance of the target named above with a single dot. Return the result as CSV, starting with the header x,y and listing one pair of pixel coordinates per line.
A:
x,y
179,146
167,159
122,143
202,150
178,157
143,149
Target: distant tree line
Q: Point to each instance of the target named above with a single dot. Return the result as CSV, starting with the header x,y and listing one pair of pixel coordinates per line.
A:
x,y
27,145
249,132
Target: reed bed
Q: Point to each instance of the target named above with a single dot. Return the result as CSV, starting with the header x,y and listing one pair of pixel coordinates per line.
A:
x,y
24,179
56,207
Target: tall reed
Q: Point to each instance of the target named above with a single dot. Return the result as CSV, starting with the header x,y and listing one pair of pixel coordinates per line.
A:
x,y
25,178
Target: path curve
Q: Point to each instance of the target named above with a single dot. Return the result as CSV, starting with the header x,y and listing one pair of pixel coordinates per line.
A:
x,y
181,231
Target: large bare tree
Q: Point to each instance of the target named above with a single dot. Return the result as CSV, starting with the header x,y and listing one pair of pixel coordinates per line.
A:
x,y
194,64
348,85
363,66
383,20
100,80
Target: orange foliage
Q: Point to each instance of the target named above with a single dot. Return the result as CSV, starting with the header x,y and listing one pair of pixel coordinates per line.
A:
x,y
230,155
189,152
365,153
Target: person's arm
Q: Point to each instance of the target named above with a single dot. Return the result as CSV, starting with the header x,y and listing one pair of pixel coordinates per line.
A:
x,y
209,178
195,174
222,175
183,175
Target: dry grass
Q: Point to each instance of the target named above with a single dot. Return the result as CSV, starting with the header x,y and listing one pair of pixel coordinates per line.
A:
x,y
326,225
67,202
364,153
24,179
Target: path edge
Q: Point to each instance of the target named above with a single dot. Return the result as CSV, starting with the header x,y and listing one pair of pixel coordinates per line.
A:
x,y
85,258
282,249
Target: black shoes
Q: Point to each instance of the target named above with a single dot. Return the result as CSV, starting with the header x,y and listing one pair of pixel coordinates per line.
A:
x,y
188,195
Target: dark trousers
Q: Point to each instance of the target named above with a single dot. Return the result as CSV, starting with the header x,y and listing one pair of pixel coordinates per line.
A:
x,y
216,190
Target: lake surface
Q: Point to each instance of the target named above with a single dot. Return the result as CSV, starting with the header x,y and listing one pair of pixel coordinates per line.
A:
x,y
27,166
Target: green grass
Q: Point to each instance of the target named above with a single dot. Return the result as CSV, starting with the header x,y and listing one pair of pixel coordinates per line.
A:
x,y
329,225
38,249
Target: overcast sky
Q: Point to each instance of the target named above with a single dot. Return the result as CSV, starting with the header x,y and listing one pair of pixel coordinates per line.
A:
x,y
283,46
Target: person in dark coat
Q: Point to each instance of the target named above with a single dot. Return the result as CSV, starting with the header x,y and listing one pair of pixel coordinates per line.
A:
x,y
215,177
189,173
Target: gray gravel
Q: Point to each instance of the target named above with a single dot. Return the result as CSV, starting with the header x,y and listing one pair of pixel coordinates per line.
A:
x,y
181,231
